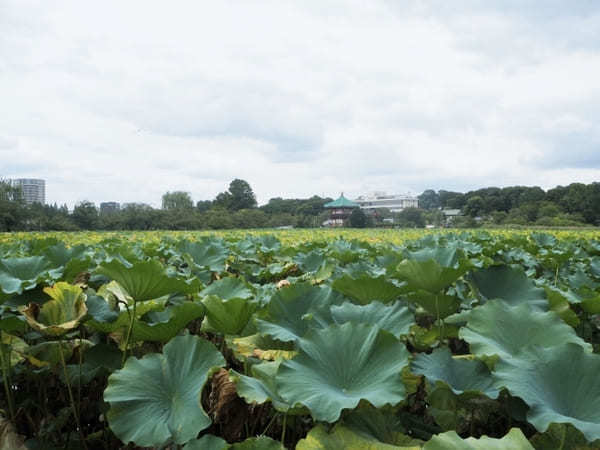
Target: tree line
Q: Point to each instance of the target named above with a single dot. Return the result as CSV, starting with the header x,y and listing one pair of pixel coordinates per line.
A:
x,y
573,205
234,208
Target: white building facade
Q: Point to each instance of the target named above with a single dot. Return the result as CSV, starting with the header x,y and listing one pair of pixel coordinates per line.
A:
x,y
33,189
393,202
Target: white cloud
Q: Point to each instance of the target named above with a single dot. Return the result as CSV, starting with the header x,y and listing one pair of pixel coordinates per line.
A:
x,y
127,100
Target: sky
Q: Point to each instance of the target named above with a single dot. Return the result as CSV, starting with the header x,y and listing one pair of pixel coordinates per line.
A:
x,y
126,100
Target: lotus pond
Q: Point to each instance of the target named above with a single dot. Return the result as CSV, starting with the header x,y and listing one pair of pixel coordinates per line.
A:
x,y
306,339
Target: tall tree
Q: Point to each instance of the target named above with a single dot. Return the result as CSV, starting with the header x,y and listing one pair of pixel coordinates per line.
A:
x,y
429,199
242,196
179,200
85,215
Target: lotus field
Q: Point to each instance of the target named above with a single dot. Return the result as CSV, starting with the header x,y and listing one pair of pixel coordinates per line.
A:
x,y
300,339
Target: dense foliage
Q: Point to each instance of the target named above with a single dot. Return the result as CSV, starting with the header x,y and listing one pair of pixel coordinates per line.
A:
x,y
561,206
474,340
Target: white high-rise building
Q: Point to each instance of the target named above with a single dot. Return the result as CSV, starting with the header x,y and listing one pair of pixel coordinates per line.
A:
x,y
33,189
393,202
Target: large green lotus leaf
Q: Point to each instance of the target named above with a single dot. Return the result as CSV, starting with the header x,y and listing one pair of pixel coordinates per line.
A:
x,y
379,424
160,325
438,305
19,274
509,284
365,289
561,436
497,328
433,269
514,440
59,315
146,280
461,375
560,384
295,309
340,365
342,437
228,288
260,387
395,318
99,309
258,443
310,262
156,399
209,254
59,255
207,442
227,316
48,353
560,305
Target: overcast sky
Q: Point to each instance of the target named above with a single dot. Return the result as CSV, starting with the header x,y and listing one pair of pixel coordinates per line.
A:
x,y
126,100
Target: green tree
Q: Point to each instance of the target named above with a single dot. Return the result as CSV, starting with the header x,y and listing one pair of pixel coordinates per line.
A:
x,y
177,200
357,218
475,206
242,196
411,218
12,207
85,215
429,199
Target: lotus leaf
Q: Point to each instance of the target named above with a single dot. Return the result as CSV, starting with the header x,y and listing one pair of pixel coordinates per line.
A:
x,y
156,399
207,442
380,425
560,305
99,309
260,387
560,384
497,328
344,438
395,318
461,375
19,274
514,440
227,316
438,305
172,320
59,315
326,378
48,353
561,436
209,254
365,289
145,280
228,288
433,269
262,347
13,345
509,284
295,309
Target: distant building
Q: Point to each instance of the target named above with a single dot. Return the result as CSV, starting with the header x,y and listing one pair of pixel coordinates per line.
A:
x,y
109,207
339,211
33,189
393,202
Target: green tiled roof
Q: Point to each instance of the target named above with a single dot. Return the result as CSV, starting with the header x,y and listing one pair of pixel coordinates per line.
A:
x,y
342,202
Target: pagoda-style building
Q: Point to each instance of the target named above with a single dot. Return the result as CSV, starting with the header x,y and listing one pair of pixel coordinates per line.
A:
x,y
339,211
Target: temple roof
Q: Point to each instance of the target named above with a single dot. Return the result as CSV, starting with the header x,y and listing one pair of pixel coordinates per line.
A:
x,y
342,202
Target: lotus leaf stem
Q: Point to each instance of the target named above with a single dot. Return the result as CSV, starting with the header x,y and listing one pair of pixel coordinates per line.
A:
x,y
284,426
71,398
129,331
